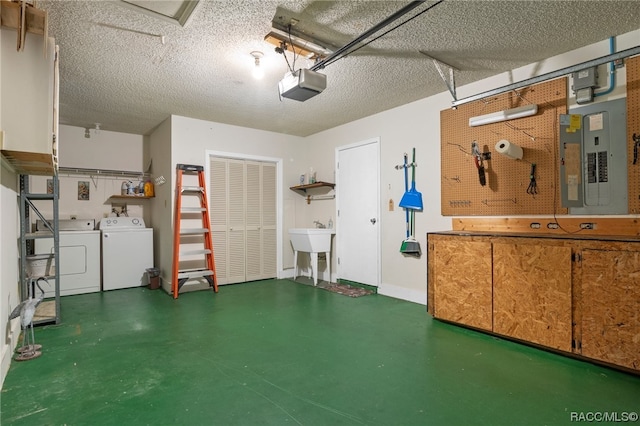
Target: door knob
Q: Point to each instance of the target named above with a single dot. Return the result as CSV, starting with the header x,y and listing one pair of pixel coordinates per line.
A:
x,y
373,221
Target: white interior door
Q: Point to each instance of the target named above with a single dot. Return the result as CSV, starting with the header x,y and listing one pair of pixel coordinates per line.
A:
x,y
358,205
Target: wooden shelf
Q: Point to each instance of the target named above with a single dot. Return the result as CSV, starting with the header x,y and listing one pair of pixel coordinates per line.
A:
x,y
127,197
304,188
31,163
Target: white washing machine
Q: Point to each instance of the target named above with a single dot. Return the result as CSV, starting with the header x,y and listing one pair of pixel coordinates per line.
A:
x,y
127,251
79,256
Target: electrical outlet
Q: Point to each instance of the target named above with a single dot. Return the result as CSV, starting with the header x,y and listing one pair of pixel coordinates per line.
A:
x,y
587,225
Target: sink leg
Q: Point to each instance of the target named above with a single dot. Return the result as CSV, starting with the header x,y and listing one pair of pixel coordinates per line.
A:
x,y
314,267
328,257
295,264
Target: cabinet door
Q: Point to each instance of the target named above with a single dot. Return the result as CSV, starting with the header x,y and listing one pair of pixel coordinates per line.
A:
x,y
462,282
532,293
611,306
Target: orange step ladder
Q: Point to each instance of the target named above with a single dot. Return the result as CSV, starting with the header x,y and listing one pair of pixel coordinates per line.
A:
x,y
208,269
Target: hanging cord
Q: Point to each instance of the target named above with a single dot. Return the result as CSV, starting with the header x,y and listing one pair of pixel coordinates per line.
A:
x,y
533,186
293,67
283,48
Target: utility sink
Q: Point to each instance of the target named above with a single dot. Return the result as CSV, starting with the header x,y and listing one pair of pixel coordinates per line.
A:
x,y
312,241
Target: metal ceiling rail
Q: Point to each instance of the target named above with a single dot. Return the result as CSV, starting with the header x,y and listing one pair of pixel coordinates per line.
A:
x,y
550,75
344,50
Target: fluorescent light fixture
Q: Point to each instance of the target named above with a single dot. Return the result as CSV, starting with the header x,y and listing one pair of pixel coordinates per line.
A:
x,y
507,114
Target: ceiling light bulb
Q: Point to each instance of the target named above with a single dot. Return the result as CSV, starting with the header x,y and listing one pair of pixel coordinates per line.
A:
x,y
97,128
258,72
87,134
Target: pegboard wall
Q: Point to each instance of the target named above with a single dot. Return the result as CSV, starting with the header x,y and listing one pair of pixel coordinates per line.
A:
x,y
633,126
507,189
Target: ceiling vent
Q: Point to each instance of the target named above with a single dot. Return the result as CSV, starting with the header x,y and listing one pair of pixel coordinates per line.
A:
x,y
175,11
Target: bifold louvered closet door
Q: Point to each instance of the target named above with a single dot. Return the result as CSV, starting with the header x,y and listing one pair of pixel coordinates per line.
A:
x,y
242,203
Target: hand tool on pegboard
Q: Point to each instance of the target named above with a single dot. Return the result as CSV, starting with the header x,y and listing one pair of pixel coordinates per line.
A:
x,y
533,186
478,159
636,146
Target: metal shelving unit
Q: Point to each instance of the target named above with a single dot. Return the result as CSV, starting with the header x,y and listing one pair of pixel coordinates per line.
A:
x,y
48,311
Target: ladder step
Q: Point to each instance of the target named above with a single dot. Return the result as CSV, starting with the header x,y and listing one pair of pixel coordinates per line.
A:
x,y
194,273
190,167
192,189
193,231
194,252
207,269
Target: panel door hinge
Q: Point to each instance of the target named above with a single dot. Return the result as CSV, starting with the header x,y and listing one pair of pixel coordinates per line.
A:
x,y
576,257
576,344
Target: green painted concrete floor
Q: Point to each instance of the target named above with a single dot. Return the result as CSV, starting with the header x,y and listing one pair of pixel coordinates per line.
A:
x,y
277,352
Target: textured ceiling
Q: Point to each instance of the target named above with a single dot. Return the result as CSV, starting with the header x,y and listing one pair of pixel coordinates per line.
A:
x,y
116,71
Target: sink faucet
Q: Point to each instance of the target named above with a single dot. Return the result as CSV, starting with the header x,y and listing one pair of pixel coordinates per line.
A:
x,y
319,224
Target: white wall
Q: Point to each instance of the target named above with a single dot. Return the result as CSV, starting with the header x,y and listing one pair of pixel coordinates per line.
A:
x,y
104,150
9,225
400,129
191,139
418,125
9,287
159,152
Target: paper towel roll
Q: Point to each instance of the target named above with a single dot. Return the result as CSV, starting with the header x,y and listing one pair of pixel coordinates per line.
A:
x,y
509,149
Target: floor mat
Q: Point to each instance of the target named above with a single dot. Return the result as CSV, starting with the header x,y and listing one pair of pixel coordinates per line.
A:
x,y
344,289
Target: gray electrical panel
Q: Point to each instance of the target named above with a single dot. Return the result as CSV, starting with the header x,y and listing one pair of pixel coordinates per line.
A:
x,y
603,159
571,187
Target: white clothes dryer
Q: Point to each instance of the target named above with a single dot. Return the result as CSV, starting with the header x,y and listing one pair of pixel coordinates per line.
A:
x,y
79,256
127,252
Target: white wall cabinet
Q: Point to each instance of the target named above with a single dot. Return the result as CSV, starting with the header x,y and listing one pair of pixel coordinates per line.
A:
x,y
29,103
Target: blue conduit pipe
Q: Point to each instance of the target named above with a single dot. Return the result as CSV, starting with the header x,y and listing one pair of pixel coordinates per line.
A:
x,y
612,70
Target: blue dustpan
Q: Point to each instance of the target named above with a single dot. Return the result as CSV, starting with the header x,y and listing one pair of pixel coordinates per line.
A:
x,y
412,199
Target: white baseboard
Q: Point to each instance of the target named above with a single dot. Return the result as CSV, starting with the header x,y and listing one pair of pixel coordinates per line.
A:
x,y
8,349
415,296
288,273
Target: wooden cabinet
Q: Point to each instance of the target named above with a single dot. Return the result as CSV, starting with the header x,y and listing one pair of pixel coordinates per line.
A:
x,y
462,282
532,293
570,294
611,306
